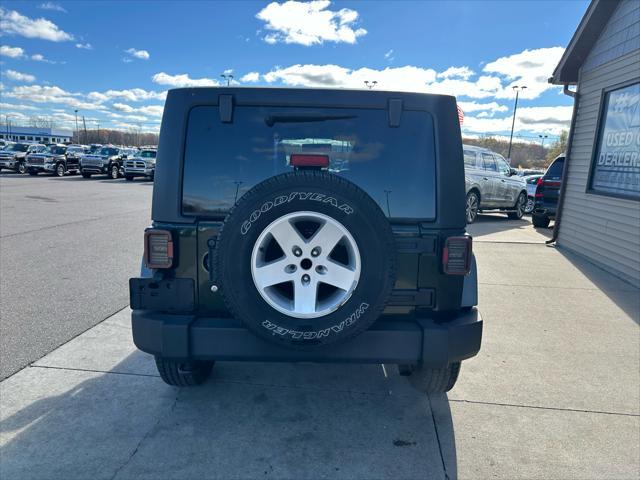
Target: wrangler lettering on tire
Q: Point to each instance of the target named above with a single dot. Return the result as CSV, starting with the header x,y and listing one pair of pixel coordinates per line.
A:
x,y
306,259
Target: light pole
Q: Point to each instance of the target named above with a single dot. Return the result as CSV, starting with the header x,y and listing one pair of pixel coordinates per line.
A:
x,y
238,183
228,77
77,135
369,84
387,192
6,119
513,122
542,139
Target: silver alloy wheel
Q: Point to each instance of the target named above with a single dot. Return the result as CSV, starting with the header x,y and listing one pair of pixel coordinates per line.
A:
x,y
22,168
529,206
315,270
60,170
521,204
472,207
114,172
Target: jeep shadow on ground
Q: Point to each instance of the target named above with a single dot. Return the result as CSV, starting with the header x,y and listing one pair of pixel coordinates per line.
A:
x,y
248,421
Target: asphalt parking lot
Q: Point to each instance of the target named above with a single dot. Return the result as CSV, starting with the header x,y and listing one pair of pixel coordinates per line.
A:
x,y
554,392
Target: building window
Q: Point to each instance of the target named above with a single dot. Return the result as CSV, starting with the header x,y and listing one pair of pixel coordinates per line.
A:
x,y
21,137
615,167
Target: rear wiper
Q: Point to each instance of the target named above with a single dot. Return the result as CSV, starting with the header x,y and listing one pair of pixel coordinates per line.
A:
x,y
271,120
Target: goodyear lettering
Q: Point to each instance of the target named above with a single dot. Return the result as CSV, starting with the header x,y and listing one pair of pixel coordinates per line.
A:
x,y
268,205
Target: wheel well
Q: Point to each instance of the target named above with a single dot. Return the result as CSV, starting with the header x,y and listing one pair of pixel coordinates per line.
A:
x,y
477,192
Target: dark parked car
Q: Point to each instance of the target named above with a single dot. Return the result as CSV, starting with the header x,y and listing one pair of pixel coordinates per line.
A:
x,y
491,184
107,160
308,225
54,160
532,184
547,193
14,156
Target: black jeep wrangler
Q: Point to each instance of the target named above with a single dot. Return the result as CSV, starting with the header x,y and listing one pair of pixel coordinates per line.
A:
x,y
308,225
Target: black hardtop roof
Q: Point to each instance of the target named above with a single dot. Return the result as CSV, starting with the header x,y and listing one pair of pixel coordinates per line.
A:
x,y
307,96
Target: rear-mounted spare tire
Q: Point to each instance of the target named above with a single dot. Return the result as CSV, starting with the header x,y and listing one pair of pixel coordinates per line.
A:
x,y
305,259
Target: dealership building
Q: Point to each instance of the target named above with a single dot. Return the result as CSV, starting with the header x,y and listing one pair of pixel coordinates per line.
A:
x,y
34,134
599,209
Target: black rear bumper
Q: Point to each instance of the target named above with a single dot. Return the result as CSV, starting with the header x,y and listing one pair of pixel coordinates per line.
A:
x,y
394,342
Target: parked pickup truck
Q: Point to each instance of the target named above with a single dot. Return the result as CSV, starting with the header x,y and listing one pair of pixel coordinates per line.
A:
x,y
14,157
142,165
52,160
107,160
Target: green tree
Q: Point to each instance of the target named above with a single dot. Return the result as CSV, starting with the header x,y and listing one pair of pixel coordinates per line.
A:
x,y
558,147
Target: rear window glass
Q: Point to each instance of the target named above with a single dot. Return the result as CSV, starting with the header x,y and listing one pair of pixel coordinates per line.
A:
x,y
395,166
489,162
555,169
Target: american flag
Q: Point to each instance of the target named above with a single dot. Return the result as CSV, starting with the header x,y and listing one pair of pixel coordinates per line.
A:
x,y
460,115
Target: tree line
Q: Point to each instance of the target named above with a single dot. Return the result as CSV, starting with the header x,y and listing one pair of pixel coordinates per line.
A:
x,y
523,155
115,137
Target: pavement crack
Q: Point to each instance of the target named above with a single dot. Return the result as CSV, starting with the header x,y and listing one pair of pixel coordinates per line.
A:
x,y
90,370
435,426
146,435
539,407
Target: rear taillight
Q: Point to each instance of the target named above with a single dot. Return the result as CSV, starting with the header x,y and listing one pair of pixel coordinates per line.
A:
x,y
540,180
158,249
456,255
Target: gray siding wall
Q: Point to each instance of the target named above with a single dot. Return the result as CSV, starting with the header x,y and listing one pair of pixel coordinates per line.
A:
x,y
606,230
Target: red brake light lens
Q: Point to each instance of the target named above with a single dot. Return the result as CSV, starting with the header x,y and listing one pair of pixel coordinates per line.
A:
x,y
456,255
158,249
309,160
540,181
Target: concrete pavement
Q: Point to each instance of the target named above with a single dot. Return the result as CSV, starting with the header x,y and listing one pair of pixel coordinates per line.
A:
x,y
67,247
553,394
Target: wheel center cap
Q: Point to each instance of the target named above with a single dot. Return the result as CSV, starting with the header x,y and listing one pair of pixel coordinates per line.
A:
x,y
306,264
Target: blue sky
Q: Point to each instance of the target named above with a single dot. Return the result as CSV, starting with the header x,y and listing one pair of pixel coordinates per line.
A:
x,y
114,61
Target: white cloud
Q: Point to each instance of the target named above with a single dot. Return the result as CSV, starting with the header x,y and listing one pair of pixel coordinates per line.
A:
x,y
250,77
152,110
37,57
550,120
406,78
122,107
141,54
7,106
131,95
19,77
14,23
52,6
389,55
468,107
309,23
50,94
11,52
182,80
531,68
457,72
84,46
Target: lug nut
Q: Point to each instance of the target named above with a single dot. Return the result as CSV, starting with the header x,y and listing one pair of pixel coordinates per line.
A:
x,y
316,251
290,268
321,269
297,251
306,279
214,288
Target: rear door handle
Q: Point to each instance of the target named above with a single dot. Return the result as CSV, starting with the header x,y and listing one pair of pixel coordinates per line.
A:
x,y
503,180
485,178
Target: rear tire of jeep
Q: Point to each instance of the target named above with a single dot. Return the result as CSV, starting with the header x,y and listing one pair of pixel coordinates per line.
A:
x,y
540,221
183,374
305,259
434,380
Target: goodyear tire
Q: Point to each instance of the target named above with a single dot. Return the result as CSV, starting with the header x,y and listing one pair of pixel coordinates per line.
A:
x,y
305,259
